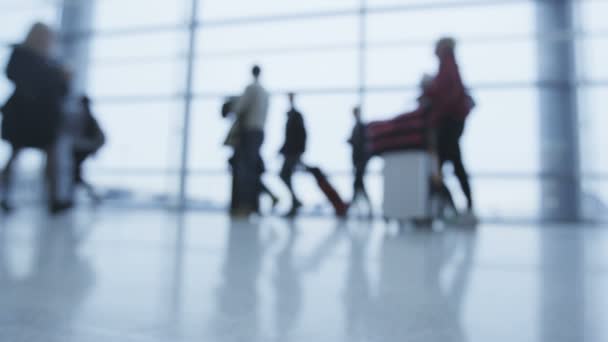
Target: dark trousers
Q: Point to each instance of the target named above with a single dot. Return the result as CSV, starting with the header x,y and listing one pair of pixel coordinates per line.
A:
x,y
248,170
79,159
360,168
448,146
289,168
51,174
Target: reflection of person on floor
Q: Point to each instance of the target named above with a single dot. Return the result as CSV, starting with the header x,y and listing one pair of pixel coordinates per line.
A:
x,y
237,299
88,138
360,157
33,114
292,150
451,107
59,282
358,294
251,110
288,288
411,282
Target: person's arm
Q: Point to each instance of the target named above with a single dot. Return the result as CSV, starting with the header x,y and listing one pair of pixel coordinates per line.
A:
x,y
353,136
92,139
303,134
243,104
99,136
290,136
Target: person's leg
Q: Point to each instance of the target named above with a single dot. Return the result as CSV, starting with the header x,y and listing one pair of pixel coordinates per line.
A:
x,y
7,178
234,202
446,199
449,150
59,178
359,189
79,159
457,128
266,190
358,183
362,188
462,175
258,138
289,167
248,172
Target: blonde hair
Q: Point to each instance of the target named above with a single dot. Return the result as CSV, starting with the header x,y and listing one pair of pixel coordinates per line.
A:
x,y
39,39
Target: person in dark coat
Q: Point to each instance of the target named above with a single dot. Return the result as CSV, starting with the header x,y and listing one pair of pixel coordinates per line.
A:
x,y
292,150
88,139
360,157
451,107
32,116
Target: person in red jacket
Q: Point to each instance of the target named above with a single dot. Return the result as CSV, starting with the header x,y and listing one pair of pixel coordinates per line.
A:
x,y
451,106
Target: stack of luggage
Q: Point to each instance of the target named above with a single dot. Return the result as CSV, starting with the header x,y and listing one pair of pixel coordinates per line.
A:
x,y
406,132
403,144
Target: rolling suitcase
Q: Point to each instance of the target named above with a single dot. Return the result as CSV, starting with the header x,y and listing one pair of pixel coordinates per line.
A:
x,y
407,192
340,207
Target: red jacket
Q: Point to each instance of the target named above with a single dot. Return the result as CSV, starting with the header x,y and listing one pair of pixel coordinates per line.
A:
x,y
448,95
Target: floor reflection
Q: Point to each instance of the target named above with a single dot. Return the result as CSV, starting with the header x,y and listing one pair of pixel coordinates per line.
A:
x,y
165,277
288,286
49,294
237,297
423,279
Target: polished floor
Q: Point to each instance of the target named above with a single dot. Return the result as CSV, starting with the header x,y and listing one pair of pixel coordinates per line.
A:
x,y
155,276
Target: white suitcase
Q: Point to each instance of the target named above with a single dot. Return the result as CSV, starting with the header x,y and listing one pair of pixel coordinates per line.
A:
x,y
406,185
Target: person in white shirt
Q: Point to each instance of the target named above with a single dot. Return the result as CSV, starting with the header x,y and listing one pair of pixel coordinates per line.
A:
x,y
251,110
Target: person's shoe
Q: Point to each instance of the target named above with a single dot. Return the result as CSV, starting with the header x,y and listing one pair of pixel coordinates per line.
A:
x,y
6,207
292,213
275,203
468,219
241,213
60,207
294,209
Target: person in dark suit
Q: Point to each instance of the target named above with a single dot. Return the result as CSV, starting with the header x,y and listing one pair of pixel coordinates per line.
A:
x,y
33,114
88,139
360,157
292,150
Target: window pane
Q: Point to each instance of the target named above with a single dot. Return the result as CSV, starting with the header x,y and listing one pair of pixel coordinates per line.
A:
x,y
282,35
480,63
168,44
121,14
502,132
225,9
16,22
500,197
461,22
285,72
380,3
139,135
136,79
594,15
595,199
594,107
595,55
